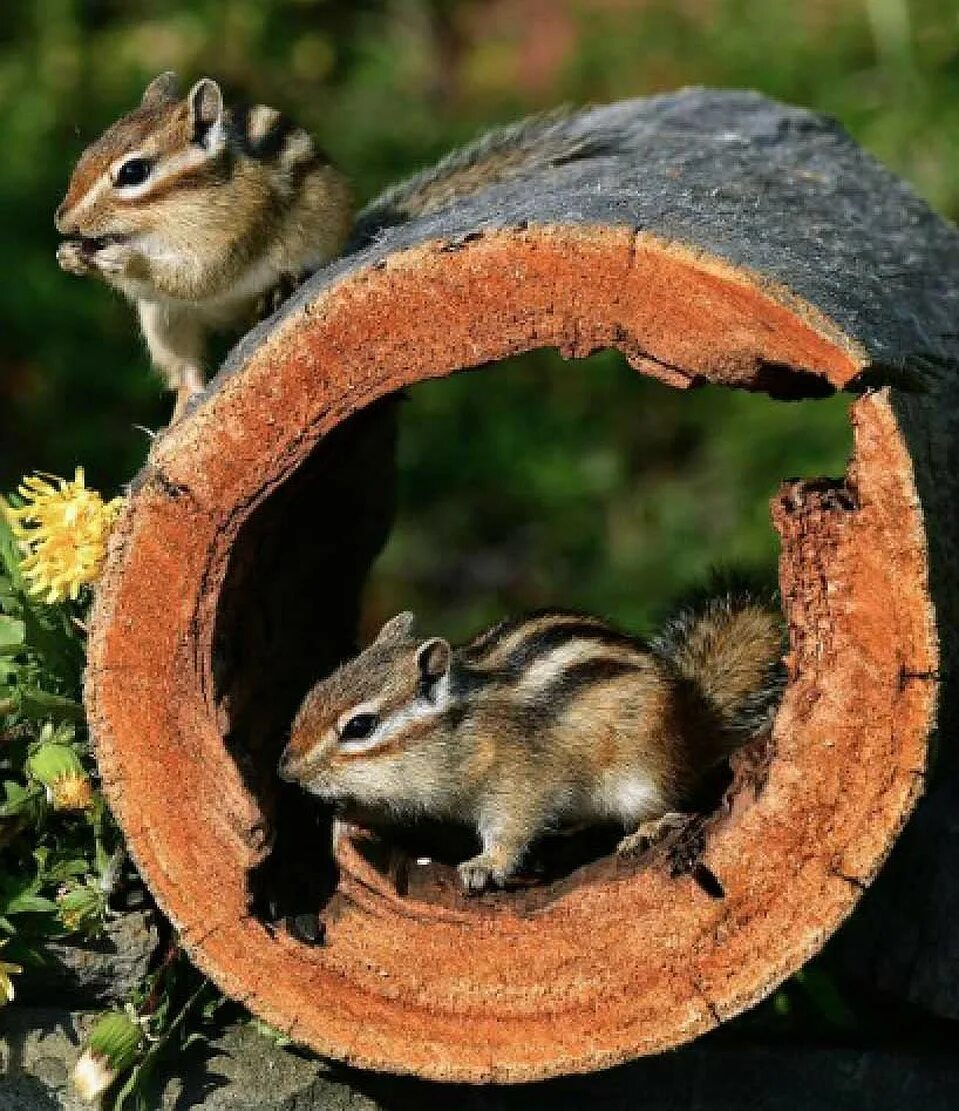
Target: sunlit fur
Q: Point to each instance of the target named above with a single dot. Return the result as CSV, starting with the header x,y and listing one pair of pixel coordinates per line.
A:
x,y
551,720
237,200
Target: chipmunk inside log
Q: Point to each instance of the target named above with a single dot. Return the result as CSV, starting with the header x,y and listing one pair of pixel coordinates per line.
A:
x,y
545,722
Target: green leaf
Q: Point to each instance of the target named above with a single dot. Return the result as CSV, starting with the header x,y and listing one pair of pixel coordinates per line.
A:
x,y
9,550
51,635
65,869
20,895
40,705
12,635
209,1009
30,904
14,792
19,799
133,1088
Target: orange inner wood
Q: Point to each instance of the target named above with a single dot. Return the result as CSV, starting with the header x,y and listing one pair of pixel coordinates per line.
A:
x,y
638,961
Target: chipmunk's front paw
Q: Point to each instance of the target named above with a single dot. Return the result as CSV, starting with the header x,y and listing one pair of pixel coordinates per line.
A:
x,y
480,872
114,258
651,833
73,257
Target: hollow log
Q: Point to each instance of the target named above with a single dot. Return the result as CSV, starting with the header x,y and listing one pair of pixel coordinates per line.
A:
x,y
725,239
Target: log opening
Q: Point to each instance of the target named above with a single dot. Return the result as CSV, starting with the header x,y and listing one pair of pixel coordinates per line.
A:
x,y
181,691
288,614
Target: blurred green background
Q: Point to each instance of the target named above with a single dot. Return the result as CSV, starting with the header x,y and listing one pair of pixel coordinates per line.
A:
x,y
536,482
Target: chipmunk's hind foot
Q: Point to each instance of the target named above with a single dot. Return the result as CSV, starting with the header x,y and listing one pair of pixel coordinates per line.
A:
x,y
651,833
481,872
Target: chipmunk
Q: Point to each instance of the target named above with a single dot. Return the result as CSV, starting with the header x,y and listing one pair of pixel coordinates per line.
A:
x,y
195,211
548,721
199,212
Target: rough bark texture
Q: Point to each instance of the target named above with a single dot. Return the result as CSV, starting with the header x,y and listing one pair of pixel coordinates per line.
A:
x,y
725,238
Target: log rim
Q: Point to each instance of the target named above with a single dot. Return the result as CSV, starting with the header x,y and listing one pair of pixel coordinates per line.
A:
x,y
167,477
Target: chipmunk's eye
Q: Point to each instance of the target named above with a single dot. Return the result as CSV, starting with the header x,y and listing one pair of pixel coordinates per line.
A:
x,y
358,727
134,171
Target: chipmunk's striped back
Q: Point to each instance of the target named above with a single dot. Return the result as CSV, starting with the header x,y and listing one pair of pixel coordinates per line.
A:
x,y
545,658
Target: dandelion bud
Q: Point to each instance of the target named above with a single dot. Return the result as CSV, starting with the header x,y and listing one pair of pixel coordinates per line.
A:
x,y
81,907
52,761
58,768
113,1047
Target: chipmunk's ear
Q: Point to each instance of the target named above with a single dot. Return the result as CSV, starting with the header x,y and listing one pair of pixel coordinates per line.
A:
x,y
206,108
399,627
161,89
433,661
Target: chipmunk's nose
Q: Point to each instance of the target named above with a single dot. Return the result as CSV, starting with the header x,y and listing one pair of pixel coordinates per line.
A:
x,y
286,766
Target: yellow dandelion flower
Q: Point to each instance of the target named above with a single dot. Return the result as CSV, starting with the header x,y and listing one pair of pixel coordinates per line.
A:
x,y
6,983
63,528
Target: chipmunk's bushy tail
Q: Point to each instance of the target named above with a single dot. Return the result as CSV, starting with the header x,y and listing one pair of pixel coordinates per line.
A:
x,y
729,646
551,139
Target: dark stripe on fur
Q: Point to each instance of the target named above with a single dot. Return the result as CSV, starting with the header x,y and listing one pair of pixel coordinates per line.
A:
x,y
214,171
482,645
272,145
574,680
580,625
544,640
267,147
